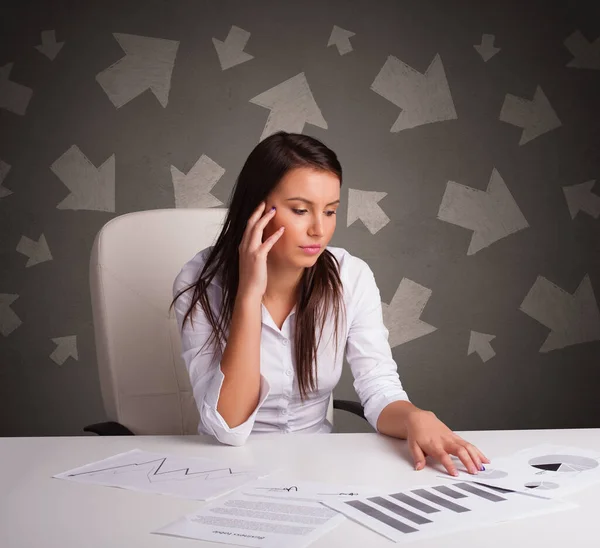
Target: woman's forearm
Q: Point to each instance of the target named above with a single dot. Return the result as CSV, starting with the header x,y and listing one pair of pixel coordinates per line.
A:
x,y
392,420
241,362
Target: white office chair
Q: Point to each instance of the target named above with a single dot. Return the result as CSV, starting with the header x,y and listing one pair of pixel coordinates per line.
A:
x,y
134,261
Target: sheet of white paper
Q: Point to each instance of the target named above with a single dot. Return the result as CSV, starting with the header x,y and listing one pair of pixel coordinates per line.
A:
x,y
293,489
187,477
551,471
434,510
250,521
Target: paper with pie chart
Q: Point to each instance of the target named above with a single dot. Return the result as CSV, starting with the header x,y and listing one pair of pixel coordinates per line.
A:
x,y
547,470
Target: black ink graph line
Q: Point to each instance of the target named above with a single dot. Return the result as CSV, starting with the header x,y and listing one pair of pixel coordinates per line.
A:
x,y
156,473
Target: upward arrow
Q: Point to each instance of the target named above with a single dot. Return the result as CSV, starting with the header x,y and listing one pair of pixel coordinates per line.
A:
x,y
231,52
423,98
65,347
49,46
148,64
292,105
91,188
341,39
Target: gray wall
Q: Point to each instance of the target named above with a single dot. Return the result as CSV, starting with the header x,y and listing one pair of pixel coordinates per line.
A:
x,y
479,215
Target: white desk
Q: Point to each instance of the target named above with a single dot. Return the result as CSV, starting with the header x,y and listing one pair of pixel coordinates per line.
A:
x,y
37,510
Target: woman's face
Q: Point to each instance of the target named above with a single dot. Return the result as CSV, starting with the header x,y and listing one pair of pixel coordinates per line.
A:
x,y
306,201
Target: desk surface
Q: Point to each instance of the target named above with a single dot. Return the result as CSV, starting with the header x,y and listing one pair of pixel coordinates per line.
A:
x,y
37,510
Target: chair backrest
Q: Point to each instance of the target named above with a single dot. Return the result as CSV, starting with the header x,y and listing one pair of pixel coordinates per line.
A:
x,y
134,262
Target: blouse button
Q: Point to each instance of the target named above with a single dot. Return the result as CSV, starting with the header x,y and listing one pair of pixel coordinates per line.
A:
x,y
288,372
284,342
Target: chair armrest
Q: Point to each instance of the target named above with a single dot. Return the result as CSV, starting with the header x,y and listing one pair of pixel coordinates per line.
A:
x,y
351,406
109,428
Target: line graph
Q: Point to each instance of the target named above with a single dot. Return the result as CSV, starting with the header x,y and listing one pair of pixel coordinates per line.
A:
x,y
156,473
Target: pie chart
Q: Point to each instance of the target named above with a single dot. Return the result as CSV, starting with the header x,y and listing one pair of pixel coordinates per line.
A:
x,y
563,463
542,485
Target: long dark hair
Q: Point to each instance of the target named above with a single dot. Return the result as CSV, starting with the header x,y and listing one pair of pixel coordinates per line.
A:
x,y
320,287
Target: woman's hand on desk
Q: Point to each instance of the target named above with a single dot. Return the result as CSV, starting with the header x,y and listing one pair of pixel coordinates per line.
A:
x,y
427,435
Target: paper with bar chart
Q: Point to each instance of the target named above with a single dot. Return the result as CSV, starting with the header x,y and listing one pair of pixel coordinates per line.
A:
x,y
433,510
187,477
551,471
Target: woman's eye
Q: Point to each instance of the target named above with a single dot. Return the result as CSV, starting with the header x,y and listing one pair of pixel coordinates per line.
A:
x,y
330,213
299,211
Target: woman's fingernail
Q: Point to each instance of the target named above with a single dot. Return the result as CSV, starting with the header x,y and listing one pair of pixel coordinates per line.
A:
x,y
482,468
272,208
454,473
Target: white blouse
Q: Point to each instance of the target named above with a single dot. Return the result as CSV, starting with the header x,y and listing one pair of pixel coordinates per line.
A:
x,y
280,409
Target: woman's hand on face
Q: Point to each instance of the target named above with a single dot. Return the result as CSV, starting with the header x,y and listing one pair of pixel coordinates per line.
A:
x,y
427,435
253,253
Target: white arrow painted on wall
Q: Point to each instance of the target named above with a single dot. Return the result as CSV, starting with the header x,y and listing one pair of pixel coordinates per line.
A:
x,y
581,198
49,46
4,169
91,188
148,64
341,39
38,252
492,214
9,321
423,98
536,117
292,105
13,97
193,189
480,343
231,52
362,204
573,319
65,347
586,55
402,316
486,49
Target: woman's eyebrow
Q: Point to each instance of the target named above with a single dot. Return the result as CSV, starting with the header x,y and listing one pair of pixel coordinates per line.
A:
x,y
308,201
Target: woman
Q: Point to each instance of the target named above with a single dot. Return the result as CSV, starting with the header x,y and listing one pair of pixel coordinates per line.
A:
x,y
264,313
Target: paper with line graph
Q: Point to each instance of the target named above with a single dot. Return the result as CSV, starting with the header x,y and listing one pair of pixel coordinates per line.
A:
x,y
188,477
434,510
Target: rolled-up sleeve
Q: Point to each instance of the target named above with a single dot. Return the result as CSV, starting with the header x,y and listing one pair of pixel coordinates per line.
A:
x,y
204,368
368,352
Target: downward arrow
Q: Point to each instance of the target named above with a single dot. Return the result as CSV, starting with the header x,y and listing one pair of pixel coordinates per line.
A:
x,y
536,117
423,98
38,252
9,321
486,49
4,169
148,64
480,343
362,204
91,188
402,316
573,319
492,214
581,198
292,105
231,52
49,46
65,347
13,97
586,55
193,189
341,39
